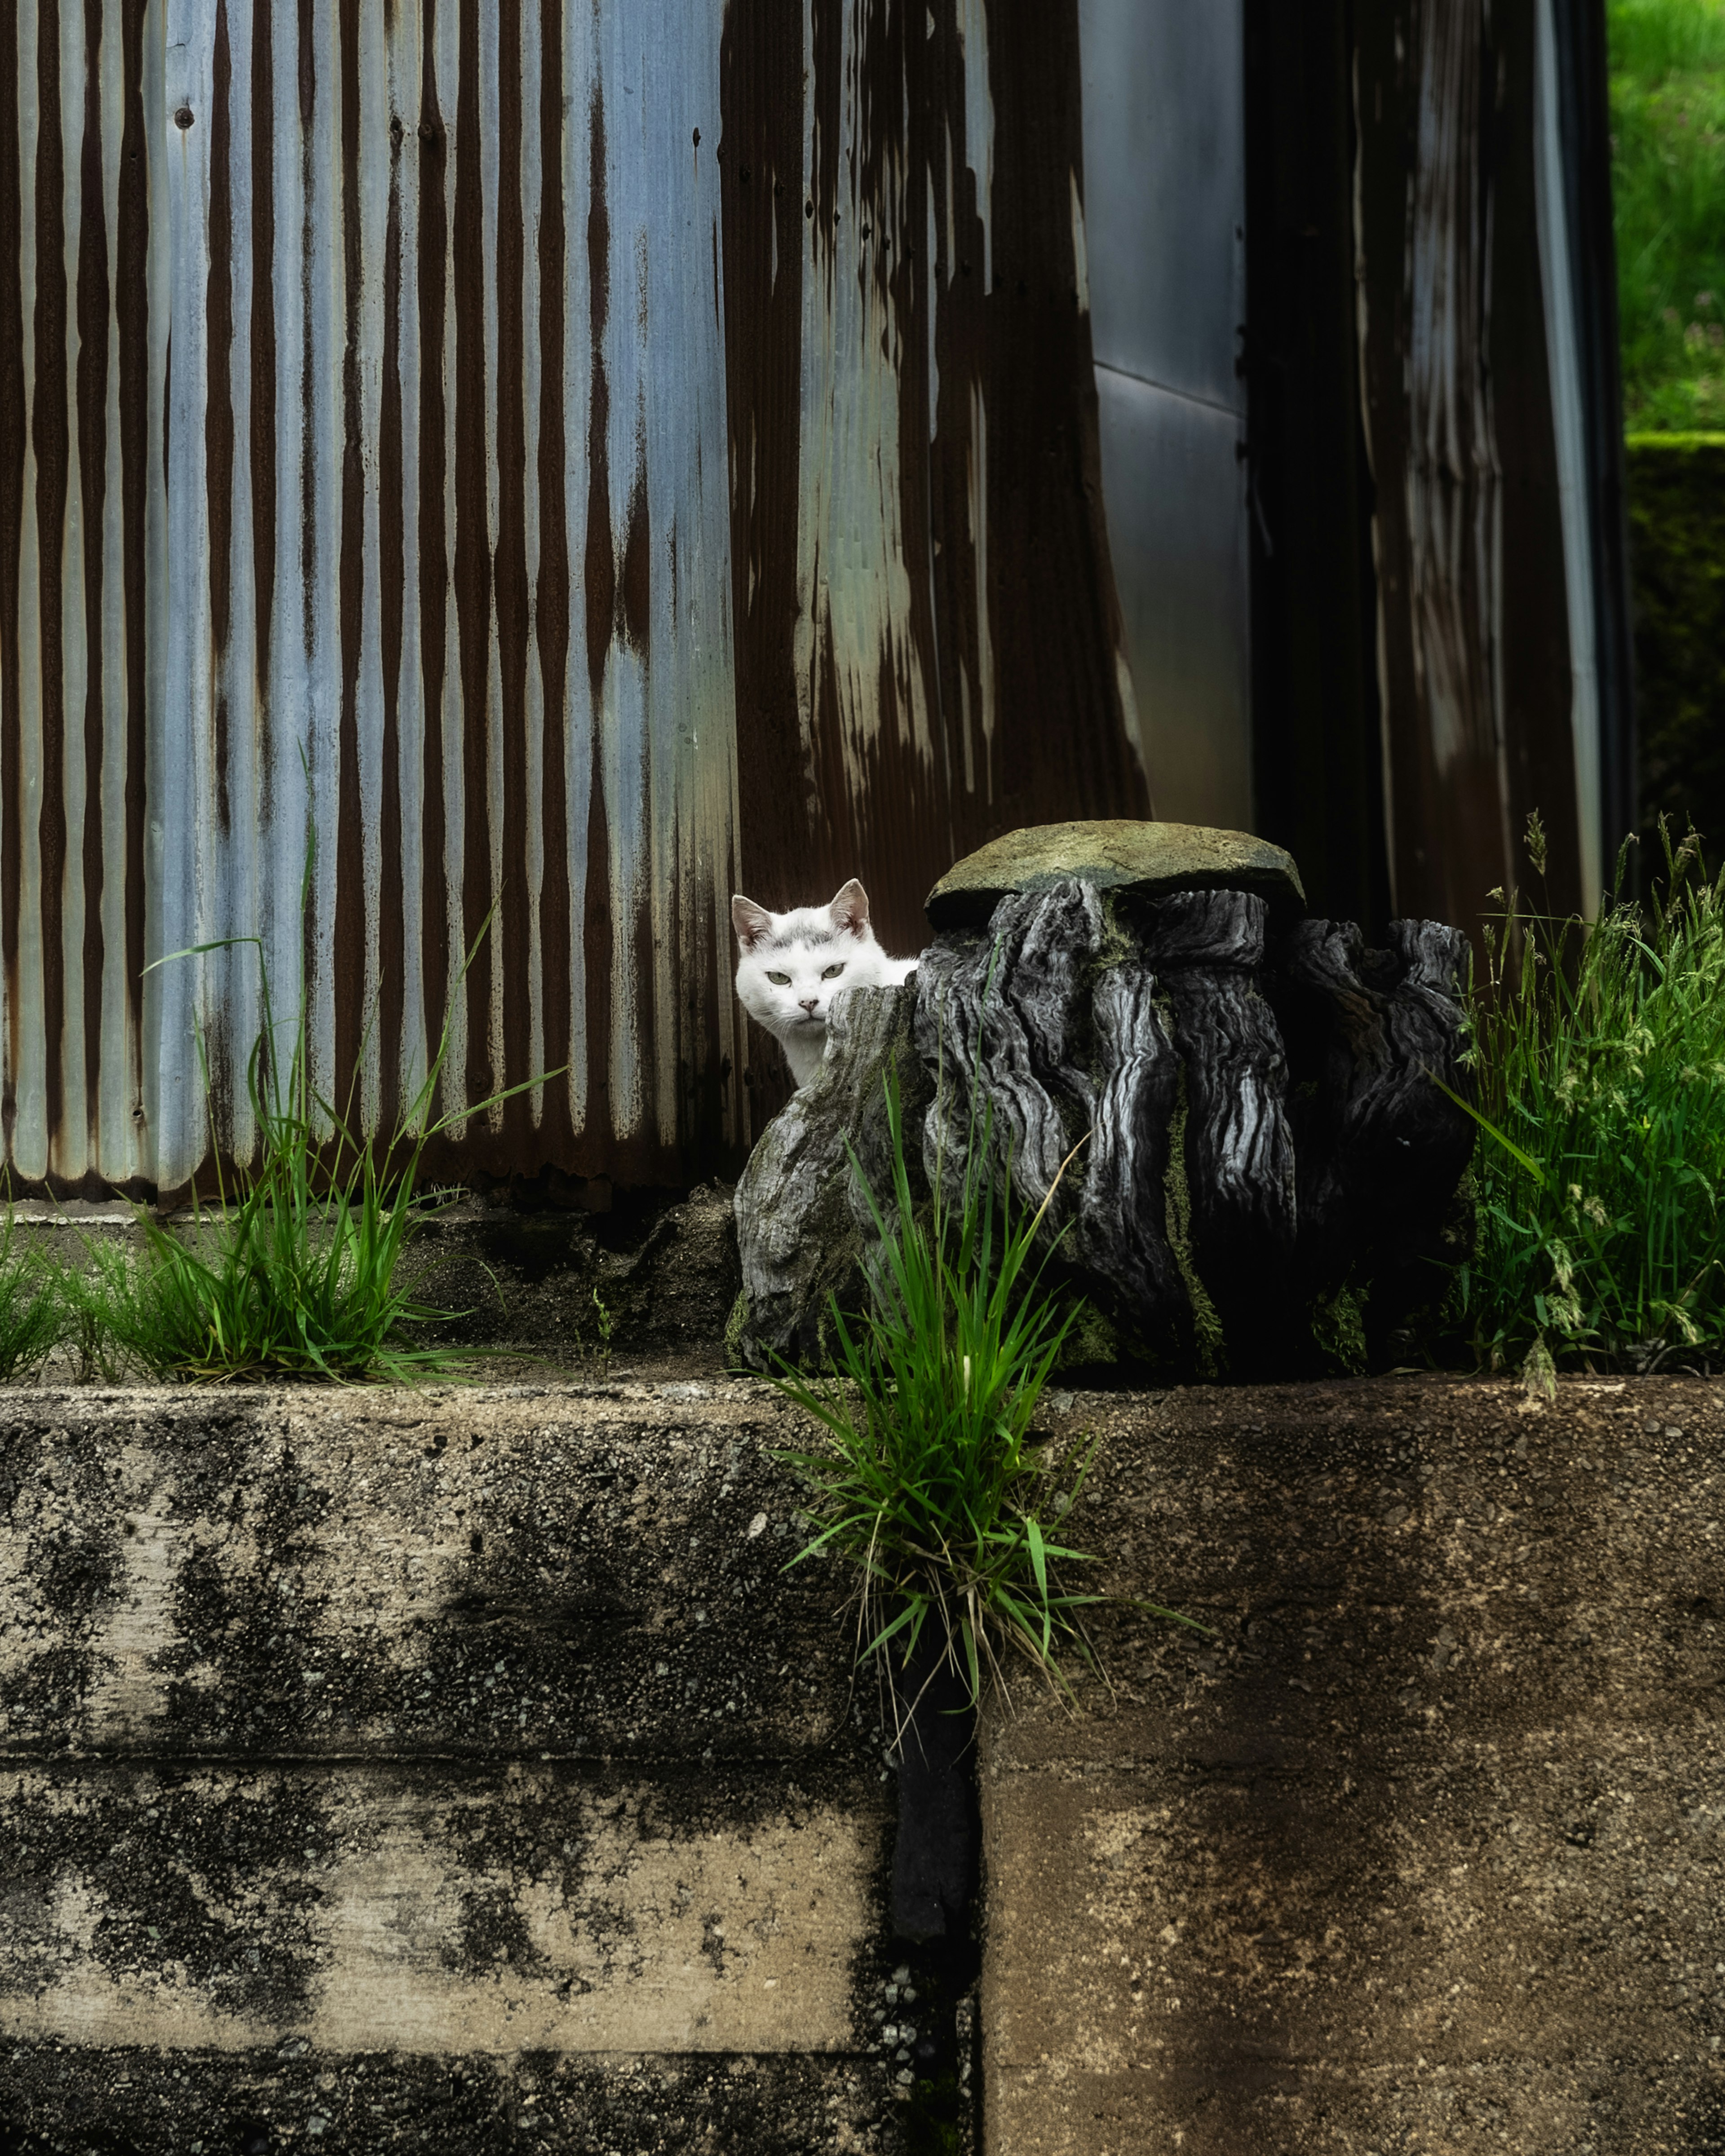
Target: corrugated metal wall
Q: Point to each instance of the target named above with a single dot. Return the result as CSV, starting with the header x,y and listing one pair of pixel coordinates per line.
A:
x,y
1488,623
1439,613
1165,166
572,460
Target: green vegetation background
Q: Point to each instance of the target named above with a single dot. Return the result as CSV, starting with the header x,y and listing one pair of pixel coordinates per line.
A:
x,y
1668,185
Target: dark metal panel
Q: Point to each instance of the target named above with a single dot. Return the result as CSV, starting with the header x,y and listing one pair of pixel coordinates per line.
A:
x,y
929,651
1584,120
1472,608
1177,523
1164,192
1161,235
1316,720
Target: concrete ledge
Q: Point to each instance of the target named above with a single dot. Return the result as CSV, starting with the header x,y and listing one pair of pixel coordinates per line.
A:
x,y
482,1729
386,1771
1425,1850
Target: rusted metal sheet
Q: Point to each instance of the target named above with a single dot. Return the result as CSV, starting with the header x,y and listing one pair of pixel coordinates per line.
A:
x,y
928,646
1474,648
544,465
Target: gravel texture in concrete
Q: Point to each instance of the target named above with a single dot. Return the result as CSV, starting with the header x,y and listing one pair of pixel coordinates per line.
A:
x,y
1424,1849
460,1769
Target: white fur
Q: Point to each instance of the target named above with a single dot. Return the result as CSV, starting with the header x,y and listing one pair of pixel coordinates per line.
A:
x,y
815,951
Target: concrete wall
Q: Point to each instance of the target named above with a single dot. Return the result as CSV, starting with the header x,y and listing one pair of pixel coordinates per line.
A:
x,y
460,1772
1425,1850
438,1768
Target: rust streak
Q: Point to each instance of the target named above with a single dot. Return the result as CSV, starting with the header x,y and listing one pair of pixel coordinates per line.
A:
x,y
51,438
92,392
634,609
473,552
761,92
552,601
263,386
392,585
11,504
434,552
348,966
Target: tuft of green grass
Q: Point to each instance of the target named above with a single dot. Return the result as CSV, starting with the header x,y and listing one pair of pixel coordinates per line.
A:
x,y
1599,1055
31,1317
1667,90
294,1272
933,1487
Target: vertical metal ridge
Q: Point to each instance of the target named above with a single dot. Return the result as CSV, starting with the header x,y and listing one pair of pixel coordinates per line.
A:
x,y
555,1033
354,970
417,442
132,327
92,403
511,603
13,421
392,953
599,581
24,893
472,562
51,437
432,257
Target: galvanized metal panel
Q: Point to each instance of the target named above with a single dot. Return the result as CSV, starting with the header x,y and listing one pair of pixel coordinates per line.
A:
x,y
1568,428
1164,192
411,442
928,647
1475,644
1160,234
1177,528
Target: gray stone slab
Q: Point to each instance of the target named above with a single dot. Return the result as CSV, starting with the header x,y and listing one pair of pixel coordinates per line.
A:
x,y
132,2102
415,1908
1115,855
458,1572
450,1771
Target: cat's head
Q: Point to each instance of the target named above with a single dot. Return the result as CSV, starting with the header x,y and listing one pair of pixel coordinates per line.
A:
x,y
790,965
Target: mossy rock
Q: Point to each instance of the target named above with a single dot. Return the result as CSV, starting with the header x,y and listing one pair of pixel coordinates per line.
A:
x,y
804,1227
1116,855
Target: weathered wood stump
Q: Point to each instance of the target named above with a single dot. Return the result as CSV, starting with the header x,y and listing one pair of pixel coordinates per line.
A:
x,y
1233,1108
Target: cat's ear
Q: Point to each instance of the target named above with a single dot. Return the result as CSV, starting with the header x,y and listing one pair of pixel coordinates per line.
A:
x,y
851,909
754,923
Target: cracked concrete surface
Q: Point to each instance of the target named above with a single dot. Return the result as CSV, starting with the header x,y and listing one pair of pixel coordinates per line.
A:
x,y
460,1771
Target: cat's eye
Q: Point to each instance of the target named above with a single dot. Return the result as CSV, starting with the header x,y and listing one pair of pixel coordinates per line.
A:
x,y
780,980
832,972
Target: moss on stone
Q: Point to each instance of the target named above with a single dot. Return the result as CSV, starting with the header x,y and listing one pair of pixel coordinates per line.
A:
x,y
1210,1341
1091,1341
1338,1328
1118,943
735,1325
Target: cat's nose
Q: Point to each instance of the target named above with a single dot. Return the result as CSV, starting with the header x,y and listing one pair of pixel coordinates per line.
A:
x,y
809,1002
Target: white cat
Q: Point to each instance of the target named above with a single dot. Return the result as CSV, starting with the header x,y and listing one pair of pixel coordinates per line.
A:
x,y
791,965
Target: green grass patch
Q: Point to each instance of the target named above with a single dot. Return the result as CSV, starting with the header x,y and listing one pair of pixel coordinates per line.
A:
x,y
33,1317
1600,1057
933,1485
295,1272
1667,89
